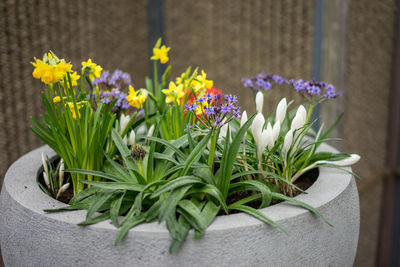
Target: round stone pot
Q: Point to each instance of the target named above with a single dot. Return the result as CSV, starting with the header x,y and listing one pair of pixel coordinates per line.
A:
x,y
31,237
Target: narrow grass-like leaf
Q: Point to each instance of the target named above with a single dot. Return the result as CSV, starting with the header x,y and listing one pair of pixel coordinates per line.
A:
x,y
257,214
116,185
300,203
176,183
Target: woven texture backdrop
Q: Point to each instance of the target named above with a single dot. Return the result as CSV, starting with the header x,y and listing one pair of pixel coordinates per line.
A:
x,y
230,39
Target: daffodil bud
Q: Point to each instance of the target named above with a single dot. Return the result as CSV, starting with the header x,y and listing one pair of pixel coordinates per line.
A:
x,y
151,131
288,141
243,119
281,110
46,179
62,190
352,159
44,162
132,137
257,126
124,120
259,101
276,130
61,173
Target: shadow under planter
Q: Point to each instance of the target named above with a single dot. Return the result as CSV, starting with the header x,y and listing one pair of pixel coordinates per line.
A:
x,y
31,237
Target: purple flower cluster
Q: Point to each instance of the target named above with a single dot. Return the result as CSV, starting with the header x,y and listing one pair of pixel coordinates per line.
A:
x,y
315,88
118,79
109,96
263,81
309,89
213,112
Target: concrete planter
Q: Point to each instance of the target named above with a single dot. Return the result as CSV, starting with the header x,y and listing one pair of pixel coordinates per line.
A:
x,y
30,237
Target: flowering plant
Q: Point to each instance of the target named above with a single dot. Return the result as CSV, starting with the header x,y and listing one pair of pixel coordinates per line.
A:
x,y
179,154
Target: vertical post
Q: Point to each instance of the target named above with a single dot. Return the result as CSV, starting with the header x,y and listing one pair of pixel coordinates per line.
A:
x,y
155,24
317,52
389,234
334,39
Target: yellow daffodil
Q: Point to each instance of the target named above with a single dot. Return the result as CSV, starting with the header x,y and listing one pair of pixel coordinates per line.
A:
x,y
56,99
173,92
95,69
74,78
79,105
136,98
50,73
161,54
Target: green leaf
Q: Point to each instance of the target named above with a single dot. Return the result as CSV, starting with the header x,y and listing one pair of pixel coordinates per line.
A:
x,y
169,206
96,173
115,208
300,203
84,194
266,195
176,183
229,158
129,224
102,217
196,153
116,185
256,214
98,202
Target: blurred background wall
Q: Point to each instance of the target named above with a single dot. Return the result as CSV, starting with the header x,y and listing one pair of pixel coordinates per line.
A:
x,y
348,43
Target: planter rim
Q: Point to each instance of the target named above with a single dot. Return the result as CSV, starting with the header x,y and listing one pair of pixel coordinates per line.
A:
x,y
329,185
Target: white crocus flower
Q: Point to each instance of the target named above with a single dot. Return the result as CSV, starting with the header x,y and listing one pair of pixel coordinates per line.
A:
x,y
61,173
281,110
259,101
132,137
44,162
223,133
262,144
123,122
150,131
243,119
276,130
46,179
297,122
302,111
62,190
354,158
257,126
288,141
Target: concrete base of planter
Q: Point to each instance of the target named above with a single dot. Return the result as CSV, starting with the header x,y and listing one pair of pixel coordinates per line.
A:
x,y
30,237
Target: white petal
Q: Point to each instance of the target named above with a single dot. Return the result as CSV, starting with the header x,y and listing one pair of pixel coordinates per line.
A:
x,y
288,141
354,158
124,120
302,111
276,130
259,101
297,122
151,131
243,119
132,137
281,110
61,173
44,162
257,126
46,179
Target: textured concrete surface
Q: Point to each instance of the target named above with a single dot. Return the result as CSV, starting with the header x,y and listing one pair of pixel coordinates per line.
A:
x,y
29,237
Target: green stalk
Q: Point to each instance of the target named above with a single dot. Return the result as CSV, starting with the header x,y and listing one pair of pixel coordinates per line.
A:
x,y
310,110
155,89
212,150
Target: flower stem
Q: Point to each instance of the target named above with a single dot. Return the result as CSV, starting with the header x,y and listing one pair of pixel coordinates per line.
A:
x,y
155,89
212,150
